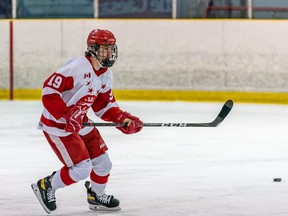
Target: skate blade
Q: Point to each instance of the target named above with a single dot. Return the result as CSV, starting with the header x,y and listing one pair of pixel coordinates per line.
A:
x,y
36,191
103,208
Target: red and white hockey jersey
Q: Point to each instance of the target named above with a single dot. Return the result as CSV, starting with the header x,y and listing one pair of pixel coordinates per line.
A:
x,y
77,83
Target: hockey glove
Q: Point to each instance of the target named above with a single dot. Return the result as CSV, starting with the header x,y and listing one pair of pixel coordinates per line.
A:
x,y
133,123
73,120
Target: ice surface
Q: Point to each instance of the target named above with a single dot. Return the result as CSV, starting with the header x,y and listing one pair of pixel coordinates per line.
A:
x,y
223,171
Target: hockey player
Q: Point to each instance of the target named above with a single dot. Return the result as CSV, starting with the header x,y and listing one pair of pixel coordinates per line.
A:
x,y
82,82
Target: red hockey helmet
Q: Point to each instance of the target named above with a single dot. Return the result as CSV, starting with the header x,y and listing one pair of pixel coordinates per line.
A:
x,y
106,40
101,37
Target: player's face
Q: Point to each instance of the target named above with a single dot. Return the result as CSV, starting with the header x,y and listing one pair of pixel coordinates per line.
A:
x,y
105,52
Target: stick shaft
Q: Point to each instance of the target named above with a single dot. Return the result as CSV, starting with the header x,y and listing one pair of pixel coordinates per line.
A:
x,y
220,117
148,124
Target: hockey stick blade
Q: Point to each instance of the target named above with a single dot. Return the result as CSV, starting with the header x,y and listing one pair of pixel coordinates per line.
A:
x,y
223,113
220,117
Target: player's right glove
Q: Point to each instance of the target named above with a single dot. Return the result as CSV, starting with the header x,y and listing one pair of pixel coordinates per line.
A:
x,y
133,123
73,120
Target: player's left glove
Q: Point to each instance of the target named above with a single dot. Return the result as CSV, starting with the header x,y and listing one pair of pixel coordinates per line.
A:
x,y
133,123
73,120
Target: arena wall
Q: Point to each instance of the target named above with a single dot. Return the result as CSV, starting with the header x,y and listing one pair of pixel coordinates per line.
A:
x,y
158,59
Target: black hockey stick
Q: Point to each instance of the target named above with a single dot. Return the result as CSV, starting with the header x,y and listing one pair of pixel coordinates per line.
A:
x,y
220,117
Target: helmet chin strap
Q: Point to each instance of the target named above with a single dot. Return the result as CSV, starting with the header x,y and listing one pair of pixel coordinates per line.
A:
x,y
96,58
101,66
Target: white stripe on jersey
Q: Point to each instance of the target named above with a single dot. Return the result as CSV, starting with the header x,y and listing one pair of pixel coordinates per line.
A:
x,y
109,105
86,130
53,130
47,90
47,115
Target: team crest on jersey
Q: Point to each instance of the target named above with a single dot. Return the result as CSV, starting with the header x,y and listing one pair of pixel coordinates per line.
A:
x,y
86,102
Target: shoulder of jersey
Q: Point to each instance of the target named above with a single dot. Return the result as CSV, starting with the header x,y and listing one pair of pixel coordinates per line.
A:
x,y
75,66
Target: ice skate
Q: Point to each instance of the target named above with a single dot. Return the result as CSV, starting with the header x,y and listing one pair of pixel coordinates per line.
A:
x,y
45,194
101,203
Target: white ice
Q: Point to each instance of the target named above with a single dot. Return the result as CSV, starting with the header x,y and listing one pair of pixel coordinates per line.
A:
x,y
222,171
